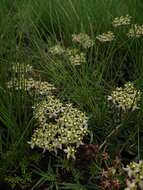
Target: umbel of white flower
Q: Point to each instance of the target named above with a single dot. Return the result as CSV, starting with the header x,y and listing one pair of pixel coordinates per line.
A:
x,y
56,50
106,37
22,81
126,97
83,39
135,175
136,31
30,85
75,56
59,127
121,21
21,67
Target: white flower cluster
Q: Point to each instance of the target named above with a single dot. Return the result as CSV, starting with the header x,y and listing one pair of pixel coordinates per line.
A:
x,y
83,39
77,59
135,176
31,85
19,81
126,97
60,127
106,37
21,67
51,107
136,31
17,84
22,81
43,87
57,50
121,21
75,56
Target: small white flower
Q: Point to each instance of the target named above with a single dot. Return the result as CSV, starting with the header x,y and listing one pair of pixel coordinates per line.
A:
x,y
67,131
126,98
106,37
83,39
135,31
121,21
70,151
57,50
131,185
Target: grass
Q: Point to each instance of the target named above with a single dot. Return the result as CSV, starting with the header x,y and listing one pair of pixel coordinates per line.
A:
x,y
27,30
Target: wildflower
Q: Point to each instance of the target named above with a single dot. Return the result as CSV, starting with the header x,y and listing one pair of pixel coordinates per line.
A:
x,y
43,87
17,84
83,39
116,184
49,108
21,67
135,175
121,21
106,184
126,97
75,57
57,50
44,137
31,85
135,31
72,116
106,37
105,173
70,151
105,156
63,126
131,185
111,171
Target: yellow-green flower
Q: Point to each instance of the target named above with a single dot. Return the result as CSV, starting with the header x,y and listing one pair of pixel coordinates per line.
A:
x,y
135,31
83,39
75,56
121,21
126,97
57,50
106,37
59,126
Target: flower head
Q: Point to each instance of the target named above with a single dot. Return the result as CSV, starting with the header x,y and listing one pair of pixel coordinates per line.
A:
x,y
106,37
32,86
83,39
64,126
70,151
126,97
57,50
121,21
135,31
75,56
135,175
21,67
